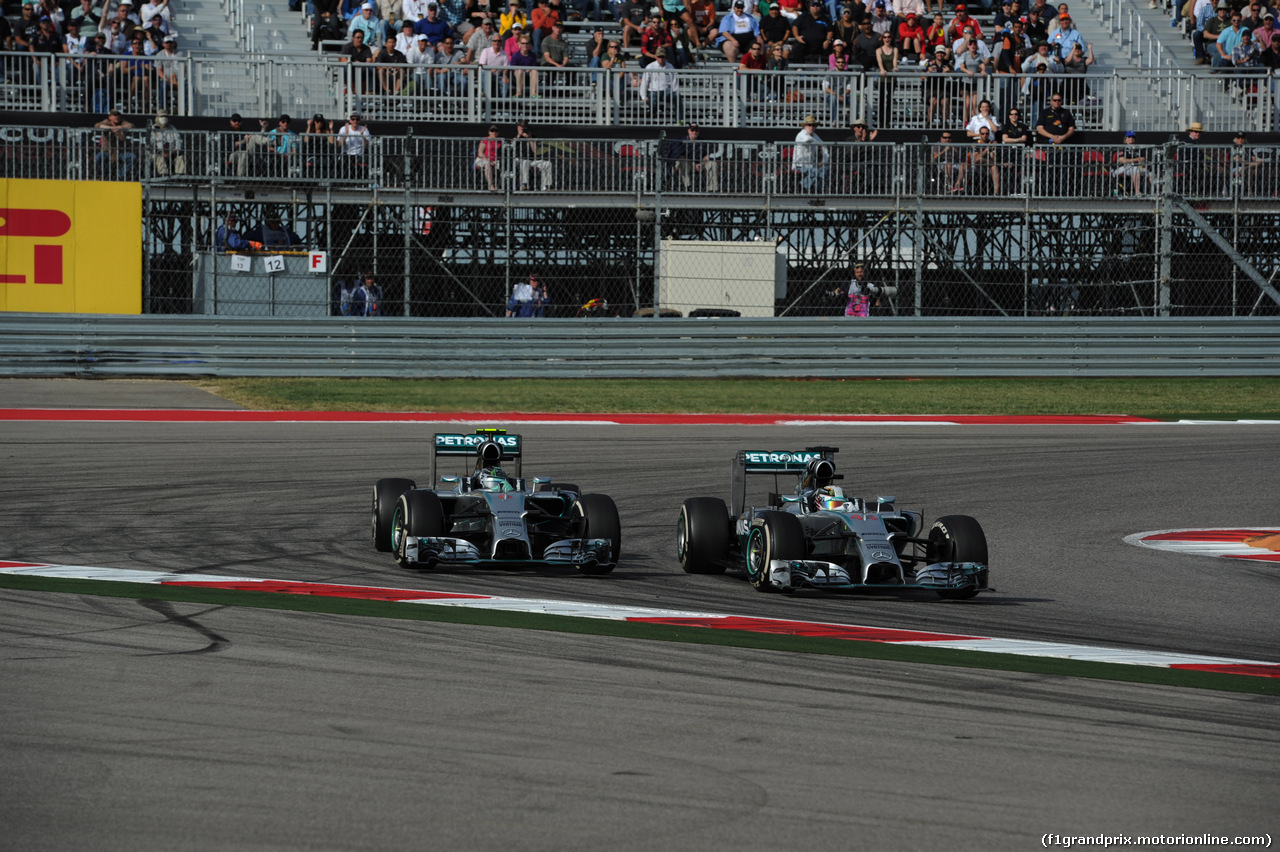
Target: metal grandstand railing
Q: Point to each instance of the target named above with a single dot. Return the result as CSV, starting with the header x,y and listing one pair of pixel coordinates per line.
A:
x,y
1152,100
586,166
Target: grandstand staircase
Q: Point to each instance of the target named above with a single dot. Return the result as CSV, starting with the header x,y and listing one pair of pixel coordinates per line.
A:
x,y
229,27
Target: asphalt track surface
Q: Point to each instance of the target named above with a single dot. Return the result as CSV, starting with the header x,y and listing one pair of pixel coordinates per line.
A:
x,y
143,724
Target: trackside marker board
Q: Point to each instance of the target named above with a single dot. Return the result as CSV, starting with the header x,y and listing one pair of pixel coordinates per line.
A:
x,y
647,615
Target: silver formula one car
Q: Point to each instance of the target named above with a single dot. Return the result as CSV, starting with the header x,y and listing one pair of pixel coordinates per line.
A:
x,y
817,537
486,517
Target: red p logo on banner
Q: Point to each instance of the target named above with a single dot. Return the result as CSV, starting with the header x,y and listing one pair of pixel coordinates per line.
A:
x,y
19,222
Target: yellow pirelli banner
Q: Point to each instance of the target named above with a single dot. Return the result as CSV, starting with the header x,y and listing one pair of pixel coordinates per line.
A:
x,y
72,247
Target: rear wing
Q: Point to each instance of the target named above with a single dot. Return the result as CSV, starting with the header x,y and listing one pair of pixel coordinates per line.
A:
x,y
777,462
460,445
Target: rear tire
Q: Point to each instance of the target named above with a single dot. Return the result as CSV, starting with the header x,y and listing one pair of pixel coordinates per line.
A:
x,y
419,514
385,494
599,520
702,535
957,538
774,535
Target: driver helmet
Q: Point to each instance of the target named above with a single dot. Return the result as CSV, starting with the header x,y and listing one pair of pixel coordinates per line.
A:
x,y
493,479
829,497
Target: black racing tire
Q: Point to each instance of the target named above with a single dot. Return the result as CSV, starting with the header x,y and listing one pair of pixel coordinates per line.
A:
x,y
385,494
702,535
773,535
559,486
599,516
957,538
419,514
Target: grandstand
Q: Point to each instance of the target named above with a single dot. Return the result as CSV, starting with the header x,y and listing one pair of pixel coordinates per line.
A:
x,y
1191,236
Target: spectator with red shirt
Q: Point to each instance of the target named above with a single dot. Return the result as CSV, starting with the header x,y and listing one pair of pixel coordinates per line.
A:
x,y
956,28
911,39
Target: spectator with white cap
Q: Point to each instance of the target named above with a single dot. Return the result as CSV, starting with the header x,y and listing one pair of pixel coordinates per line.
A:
x,y
366,22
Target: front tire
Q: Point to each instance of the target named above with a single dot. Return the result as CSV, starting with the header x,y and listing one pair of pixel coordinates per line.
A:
x,y
600,519
774,535
957,538
702,535
419,514
385,494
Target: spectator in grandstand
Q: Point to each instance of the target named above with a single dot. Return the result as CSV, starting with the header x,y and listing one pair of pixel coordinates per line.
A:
x,y
449,71
685,158
1012,45
839,50
1246,165
1268,32
135,72
632,15
1056,123
1014,131
272,233
420,59
910,38
1065,38
703,20
510,18
1055,18
597,48
1041,59
114,160
524,67
318,148
839,90
390,11
541,19
433,26
354,140
228,238
1270,59
368,24
47,40
960,45
280,147
406,39
356,50
413,10
864,47
1251,16
844,29
327,22
556,52
1205,39
946,162
936,86
753,60
974,68
74,43
155,33
166,148
961,22
478,39
511,44
984,117
169,68
812,34
530,158
809,157
1004,17
935,34
1037,29
86,16
882,20
1076,64
1227,42
737,31
660,87
1131,165
656,37
390,80
493,58
982,158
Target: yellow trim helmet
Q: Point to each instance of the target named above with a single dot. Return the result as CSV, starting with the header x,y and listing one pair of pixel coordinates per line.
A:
x,y
829,497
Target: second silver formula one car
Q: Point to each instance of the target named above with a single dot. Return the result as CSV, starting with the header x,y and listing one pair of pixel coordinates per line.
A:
x,y
487,517
818,537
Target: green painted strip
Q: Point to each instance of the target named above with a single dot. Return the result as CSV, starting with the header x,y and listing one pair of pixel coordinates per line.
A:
x,y
654,632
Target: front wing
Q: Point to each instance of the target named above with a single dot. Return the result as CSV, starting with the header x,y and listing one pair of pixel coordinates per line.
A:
x,y
811,573
578,552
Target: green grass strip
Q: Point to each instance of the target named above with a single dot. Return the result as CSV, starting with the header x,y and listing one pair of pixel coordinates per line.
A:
x,y
653,632
1167,399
